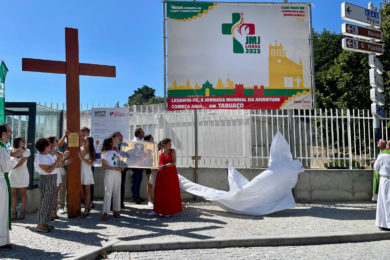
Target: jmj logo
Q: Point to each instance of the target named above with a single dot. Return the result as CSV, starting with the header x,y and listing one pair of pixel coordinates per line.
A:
x,y
244,38
100,113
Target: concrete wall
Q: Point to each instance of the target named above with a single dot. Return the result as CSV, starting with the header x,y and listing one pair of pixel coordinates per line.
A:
x,y
313,185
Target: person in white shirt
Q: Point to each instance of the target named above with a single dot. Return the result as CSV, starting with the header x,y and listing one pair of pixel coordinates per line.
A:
x,y
19,177
382,167
136,177
45,166
112,178
5,190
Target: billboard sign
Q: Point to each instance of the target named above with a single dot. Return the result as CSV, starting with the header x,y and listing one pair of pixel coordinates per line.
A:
x,y
238,55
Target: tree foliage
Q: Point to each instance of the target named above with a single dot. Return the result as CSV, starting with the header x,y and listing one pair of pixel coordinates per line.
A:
x,y
144,96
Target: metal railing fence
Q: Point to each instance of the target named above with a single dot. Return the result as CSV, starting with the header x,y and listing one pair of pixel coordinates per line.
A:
x,y
322,138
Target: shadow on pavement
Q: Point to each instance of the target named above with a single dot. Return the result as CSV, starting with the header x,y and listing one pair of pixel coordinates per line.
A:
x,y
22,252
222,213
356,213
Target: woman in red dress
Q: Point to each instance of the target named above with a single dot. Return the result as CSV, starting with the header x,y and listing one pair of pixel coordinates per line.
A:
x,y
167,199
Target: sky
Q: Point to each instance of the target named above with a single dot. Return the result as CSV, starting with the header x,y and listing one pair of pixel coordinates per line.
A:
x,y
125,33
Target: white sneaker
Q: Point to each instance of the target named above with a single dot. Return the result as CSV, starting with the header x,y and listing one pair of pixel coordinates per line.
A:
x,y
61,211
150,204
374,197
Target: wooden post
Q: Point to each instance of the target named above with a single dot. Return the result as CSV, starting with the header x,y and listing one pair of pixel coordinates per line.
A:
x,y
72,68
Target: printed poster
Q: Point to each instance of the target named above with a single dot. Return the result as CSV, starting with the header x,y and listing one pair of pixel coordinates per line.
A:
x,y
105,121
138,155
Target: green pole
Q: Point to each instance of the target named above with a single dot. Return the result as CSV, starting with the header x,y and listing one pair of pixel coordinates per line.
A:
x,y
3,73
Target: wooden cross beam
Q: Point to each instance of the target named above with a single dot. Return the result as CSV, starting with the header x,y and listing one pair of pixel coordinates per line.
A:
x,y
72,68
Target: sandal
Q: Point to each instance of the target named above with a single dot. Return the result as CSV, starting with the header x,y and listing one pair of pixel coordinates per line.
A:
x,y
43,230
105,217
21,216
85,213
14,216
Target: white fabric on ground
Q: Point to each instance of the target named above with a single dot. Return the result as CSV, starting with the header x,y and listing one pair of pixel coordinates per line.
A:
x,y
268,192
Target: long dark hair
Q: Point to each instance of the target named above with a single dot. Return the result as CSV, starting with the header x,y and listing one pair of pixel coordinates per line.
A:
x,y
165,141
16,141
91,147
52,139
107,144
148,137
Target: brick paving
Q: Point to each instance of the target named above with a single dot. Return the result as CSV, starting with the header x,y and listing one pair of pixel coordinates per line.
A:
x,y
198,221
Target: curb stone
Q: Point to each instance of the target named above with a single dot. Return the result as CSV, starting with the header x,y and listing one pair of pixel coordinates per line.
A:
x,y
252,241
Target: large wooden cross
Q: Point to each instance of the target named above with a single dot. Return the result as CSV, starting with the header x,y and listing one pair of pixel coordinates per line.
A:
x,y
72,68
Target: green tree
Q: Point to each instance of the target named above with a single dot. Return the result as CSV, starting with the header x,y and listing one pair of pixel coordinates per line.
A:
x,y
326,48
345,84
385,58
143,96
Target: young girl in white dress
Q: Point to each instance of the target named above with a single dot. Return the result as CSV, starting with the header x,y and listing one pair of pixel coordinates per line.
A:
x,y
87,157
19,177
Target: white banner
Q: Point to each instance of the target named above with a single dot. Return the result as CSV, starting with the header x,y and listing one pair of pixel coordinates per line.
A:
x,y
105,121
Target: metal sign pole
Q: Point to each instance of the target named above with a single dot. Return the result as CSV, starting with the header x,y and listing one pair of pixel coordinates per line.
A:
x,y
375,121
165,57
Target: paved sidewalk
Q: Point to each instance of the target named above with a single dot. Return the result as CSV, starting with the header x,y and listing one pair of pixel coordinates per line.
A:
x,y
198,222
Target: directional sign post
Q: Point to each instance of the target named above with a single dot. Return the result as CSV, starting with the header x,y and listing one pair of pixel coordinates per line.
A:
x,y
377,97
360,15
375,63
376,80
371,18
362,46
377,110
361,32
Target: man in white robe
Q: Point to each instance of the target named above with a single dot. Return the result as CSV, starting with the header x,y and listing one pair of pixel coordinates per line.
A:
x,y
5,167
382,166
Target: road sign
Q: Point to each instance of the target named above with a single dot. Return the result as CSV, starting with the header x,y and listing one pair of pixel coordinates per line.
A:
x,y
361,46
377,110
376,80
361,32
358,14
377,97
375,63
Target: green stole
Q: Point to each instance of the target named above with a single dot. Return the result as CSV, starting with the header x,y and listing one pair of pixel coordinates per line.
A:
x,y
385,151
9,190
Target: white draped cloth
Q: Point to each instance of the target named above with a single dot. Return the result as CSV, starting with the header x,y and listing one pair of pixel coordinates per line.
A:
x,y
5,166
268,192
382,166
